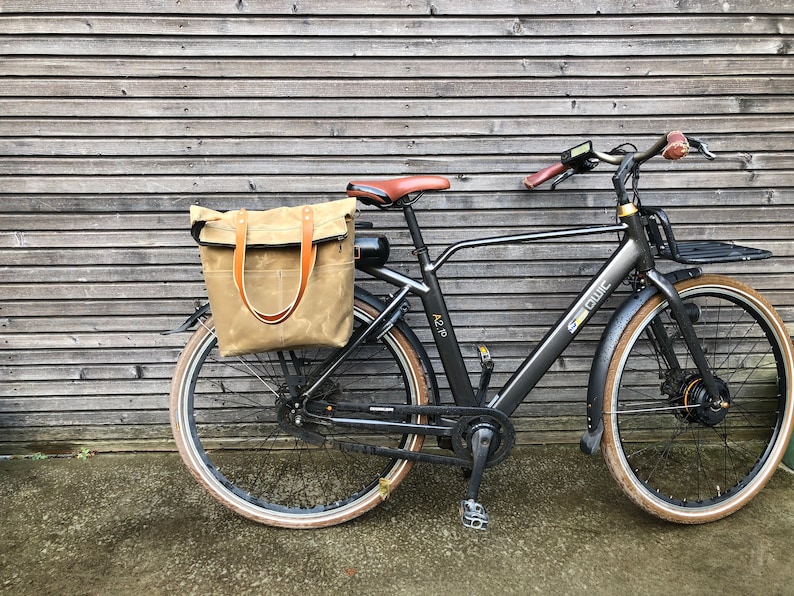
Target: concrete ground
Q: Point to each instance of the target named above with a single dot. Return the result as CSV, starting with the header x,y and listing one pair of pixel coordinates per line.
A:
x,y
139,524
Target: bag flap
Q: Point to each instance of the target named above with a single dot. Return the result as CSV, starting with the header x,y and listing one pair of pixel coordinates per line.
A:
x,y
275,227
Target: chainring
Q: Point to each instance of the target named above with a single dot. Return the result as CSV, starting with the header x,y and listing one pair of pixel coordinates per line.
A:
x,y
503,442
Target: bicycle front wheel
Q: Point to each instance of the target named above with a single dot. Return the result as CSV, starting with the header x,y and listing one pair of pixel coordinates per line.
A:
x,y
674,452
244,445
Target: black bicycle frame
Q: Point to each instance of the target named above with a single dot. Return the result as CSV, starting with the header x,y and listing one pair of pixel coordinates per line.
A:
x,y
633,253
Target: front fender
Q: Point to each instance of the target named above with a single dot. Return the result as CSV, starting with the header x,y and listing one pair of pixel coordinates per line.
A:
x,y
606,351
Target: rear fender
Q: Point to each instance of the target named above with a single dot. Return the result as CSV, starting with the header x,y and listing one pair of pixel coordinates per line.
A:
x,y
606,351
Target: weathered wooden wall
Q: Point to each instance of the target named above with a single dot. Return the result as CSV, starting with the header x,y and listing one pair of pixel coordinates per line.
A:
x,y
116,116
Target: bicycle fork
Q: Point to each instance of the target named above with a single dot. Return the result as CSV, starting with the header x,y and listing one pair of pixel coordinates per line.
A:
x,y
685,324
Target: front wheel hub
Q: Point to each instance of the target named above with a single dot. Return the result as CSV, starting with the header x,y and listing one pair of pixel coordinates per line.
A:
x,y
700,407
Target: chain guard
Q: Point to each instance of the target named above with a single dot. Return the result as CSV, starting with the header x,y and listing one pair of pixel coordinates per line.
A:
x,y
471,419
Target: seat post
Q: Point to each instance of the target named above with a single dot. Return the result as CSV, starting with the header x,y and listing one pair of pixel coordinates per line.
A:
x,y
416,235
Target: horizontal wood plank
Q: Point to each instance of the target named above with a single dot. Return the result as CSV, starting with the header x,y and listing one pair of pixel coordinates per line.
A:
x,y
271,47
155,184
291,8
89,122
479,26
67,68
409,88
338,111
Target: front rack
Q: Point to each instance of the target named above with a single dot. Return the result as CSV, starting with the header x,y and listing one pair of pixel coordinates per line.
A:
x,y
694,252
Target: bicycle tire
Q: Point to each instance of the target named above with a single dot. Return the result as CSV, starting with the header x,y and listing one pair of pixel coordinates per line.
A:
x,y
691,463
225,421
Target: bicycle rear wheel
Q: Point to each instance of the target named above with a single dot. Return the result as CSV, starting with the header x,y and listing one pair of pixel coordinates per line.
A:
x,y
674,454
242,443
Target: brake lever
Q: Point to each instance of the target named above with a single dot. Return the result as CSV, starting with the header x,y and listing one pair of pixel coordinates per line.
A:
x,y
561,178
584,166
702,147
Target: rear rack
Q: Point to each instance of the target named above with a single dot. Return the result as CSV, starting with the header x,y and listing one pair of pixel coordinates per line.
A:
x,y
694,252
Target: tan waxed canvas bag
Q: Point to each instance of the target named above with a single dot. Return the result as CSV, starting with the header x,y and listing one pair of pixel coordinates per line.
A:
x,y
278,279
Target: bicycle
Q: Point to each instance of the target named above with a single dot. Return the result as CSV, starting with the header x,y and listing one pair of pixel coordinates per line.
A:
x,y
689,397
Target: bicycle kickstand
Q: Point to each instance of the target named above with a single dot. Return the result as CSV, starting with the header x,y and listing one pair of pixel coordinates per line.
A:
x,y
472,513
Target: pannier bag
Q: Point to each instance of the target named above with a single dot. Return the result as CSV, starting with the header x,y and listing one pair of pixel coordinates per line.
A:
x,y
278,279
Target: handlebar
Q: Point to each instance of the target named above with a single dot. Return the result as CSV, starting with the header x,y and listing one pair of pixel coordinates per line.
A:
x,y
673,146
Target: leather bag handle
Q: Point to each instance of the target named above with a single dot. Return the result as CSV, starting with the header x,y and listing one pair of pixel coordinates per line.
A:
x,y
307,258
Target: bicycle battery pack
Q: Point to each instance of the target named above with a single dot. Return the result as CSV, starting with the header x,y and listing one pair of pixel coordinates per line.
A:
x,y
371,251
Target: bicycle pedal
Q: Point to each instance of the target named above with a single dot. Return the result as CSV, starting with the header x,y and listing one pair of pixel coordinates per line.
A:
x,y
486,363
473,515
